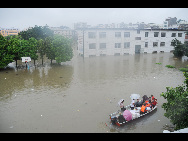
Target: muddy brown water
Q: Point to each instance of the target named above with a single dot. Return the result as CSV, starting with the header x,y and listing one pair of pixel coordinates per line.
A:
x,y
78,96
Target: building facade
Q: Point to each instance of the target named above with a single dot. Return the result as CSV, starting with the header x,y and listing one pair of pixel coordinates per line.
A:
x,y
68,33
101,42
7,32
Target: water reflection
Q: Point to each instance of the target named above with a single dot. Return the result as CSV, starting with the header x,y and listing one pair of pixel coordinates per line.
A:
x,y
48,77
109,67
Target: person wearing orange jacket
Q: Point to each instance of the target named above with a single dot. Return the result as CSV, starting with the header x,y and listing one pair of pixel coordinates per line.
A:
x,y
148,104
143,109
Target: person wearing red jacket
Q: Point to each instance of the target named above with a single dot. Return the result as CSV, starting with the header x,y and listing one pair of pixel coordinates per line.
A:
x,y
152,97
154,102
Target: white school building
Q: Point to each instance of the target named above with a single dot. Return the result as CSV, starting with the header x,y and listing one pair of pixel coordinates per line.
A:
x,y
101,42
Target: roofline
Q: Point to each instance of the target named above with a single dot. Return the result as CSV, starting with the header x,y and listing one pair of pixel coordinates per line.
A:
x,y
128,29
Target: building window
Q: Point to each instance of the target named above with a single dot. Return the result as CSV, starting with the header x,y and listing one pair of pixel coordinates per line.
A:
x,y
163,34
102,45
162,44
155,44
172,44
138,31
126,34
92,46
156,34
146,34
127,45
146,44
117,45
173,35
102,34
91,35
137,38
117,34
179,34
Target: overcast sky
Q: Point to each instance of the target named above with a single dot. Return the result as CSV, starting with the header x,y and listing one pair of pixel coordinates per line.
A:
x,y
29,17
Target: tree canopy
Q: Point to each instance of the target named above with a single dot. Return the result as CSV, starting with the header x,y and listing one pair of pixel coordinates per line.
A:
x,y
5,56
37,32
176,106
35,40
180,49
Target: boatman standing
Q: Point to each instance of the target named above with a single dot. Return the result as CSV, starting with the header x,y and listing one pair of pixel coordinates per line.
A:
x,y
132,104
120,103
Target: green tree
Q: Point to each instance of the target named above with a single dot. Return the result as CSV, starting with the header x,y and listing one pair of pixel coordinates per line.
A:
x,y
38,32
33,48
15,48
62,48
41,49
176,106
50,52
5,57
179,48
18,47
29,48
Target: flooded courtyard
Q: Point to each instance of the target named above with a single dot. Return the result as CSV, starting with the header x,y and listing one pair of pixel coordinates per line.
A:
x,y
79,96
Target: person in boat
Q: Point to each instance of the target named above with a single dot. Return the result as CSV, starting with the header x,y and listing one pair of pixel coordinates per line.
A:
x,y
143,109
152,97
154,102
138,103
144,98
147,103
149,100
122,105
132,104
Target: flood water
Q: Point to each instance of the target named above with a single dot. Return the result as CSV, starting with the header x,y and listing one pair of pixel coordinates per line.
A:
x,y
79,96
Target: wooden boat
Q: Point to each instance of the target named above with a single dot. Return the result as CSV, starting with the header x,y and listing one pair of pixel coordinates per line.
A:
x,y
118,119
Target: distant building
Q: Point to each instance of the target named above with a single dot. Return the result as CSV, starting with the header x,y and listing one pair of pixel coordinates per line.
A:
x,y
120,41
64,31
7,32
183,25
171,21
80,25
165,25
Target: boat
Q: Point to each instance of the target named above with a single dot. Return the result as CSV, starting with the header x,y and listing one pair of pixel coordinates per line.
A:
x,y
117,118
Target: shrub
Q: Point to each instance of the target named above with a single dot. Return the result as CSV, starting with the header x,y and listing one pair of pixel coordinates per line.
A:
x,y
169,66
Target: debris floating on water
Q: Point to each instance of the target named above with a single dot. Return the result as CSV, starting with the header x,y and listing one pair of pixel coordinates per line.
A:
x,y
11,126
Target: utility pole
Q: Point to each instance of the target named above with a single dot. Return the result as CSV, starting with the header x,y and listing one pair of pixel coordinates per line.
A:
x,y
83,43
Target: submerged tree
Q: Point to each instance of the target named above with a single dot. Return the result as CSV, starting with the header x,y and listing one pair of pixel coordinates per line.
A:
x,y
5,56
179,48
50,53
176,106
33,49
15,48
41,49
61,46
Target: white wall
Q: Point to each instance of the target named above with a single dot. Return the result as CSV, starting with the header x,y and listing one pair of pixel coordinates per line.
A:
x,y
110,41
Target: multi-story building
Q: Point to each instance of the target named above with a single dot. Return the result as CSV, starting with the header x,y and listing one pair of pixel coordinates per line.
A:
x,y
101,42
7,32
